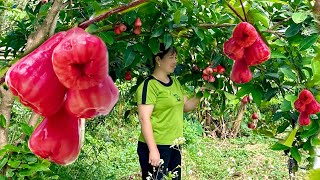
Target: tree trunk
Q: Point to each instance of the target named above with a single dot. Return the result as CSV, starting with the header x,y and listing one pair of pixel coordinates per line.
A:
x,y
237,122
5,109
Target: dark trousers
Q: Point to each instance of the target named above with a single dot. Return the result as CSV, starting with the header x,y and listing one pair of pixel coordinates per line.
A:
x,y
171,157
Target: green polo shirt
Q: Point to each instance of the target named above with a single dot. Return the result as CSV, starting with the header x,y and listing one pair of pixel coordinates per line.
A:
x,y
167,115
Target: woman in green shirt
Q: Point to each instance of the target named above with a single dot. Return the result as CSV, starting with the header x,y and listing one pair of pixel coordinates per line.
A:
x,y
161,103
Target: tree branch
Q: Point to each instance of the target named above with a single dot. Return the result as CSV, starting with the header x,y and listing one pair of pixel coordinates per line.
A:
x,y
235,11
85,24
42,32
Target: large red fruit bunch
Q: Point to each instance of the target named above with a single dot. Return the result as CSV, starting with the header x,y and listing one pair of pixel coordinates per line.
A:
x,y
306,104
247,46
64,79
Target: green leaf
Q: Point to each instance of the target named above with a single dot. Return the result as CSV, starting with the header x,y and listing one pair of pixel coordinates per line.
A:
x,y
315,141
308,42
257,95
167,40
289,74
206,94
10,173
14,163
290,138
177,16
310,132
276,54
199,32
26,128
279,147
293,30
295,154
314,174
299,17
107,37
259,16
3,122
3,161
286,106
26,172
230,96
129,56
2,177
11,148
158,32
154,45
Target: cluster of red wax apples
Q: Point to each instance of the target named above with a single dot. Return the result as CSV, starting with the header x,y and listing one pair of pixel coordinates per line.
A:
x,y
246,48
208,72
119,28
306,104
64,79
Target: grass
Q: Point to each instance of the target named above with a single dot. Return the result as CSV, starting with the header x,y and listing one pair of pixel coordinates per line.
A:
x,y
112,155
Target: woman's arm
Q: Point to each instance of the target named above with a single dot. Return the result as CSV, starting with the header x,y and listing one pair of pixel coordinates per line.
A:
x,y
144,112
190,104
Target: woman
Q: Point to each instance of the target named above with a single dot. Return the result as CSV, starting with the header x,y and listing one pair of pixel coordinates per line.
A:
x,y
161,103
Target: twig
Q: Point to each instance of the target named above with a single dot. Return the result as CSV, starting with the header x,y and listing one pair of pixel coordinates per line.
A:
x,y
235,11
85,24
280,22
244,12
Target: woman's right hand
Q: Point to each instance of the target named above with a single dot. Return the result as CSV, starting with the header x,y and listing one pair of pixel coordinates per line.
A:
x,y
154,158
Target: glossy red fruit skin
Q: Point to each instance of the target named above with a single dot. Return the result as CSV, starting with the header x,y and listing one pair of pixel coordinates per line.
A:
x,y
94,101
32,79
299,105
257,53
233,50
80,61
122,27
208,71
128,76
205,77
255,116
246,99
211,78
306,96
137,22
57,138
251,125
313,107
117,30
220,69
240,72
304,119
137,30
245,34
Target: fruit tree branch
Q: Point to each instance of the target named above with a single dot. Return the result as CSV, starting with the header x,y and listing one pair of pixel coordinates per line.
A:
x,y
85,24
235,11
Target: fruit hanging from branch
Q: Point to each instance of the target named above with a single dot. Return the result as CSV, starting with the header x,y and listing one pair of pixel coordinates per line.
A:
x,y
247,46
306,104
57,138
34,81
128,76
93,101
240,72
81,60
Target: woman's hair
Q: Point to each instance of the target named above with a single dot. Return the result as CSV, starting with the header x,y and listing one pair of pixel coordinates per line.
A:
x,y
163,51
